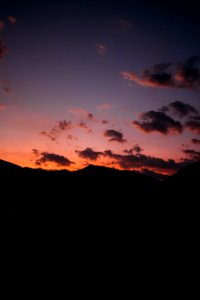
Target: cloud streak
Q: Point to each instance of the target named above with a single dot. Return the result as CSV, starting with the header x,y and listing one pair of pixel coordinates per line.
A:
x,y
46,157
169,75
114,136
101,48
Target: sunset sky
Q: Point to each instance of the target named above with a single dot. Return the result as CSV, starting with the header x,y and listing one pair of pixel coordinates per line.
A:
x,y
113,83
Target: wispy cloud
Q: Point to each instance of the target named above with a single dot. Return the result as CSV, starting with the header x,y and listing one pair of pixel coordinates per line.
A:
x,y
101,48
57,130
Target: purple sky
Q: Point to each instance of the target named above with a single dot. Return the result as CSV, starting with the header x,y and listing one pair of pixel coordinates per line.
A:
x,y
73,73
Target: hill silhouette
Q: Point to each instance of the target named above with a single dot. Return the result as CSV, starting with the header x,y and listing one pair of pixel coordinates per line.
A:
x,y
92,190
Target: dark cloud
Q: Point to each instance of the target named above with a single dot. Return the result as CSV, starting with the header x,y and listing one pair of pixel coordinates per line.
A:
x,y
193,124
60,160
192,154
89,153
143,161
173,75
36,152
115,136
63,125
195,141
135,149
3,50
180,109
158,121
57,130
104,122
90,116
83,125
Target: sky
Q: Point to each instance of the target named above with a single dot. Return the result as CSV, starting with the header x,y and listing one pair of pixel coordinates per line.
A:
x,y
111,83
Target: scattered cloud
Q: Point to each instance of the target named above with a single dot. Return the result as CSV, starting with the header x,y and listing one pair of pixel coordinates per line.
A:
x,y
64,125
104,122
12,20
89,153
57,130
101,48
135,149
180,109
142,161
192,154
193,124
46,157
115,136
195,141
82,113
83,125
154,121
171,75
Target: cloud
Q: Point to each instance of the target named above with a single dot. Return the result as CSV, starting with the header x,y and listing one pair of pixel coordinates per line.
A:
x,y
2,107
3,50
83,125
171,75
101,48
57,130
142,161
64,125
115,136
12,20
7,91
195,141
154,121
180,109
193,124
135,149
36,152
192,154
81,112
2,25
45,157
104,122
88,153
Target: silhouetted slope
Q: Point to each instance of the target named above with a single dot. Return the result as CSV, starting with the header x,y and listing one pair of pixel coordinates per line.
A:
x,y
185,182
93,191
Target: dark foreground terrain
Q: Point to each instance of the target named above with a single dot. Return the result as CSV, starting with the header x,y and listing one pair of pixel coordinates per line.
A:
x,y
95,192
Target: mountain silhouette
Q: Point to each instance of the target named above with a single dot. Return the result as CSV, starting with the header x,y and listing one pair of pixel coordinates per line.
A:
x,y
92,190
